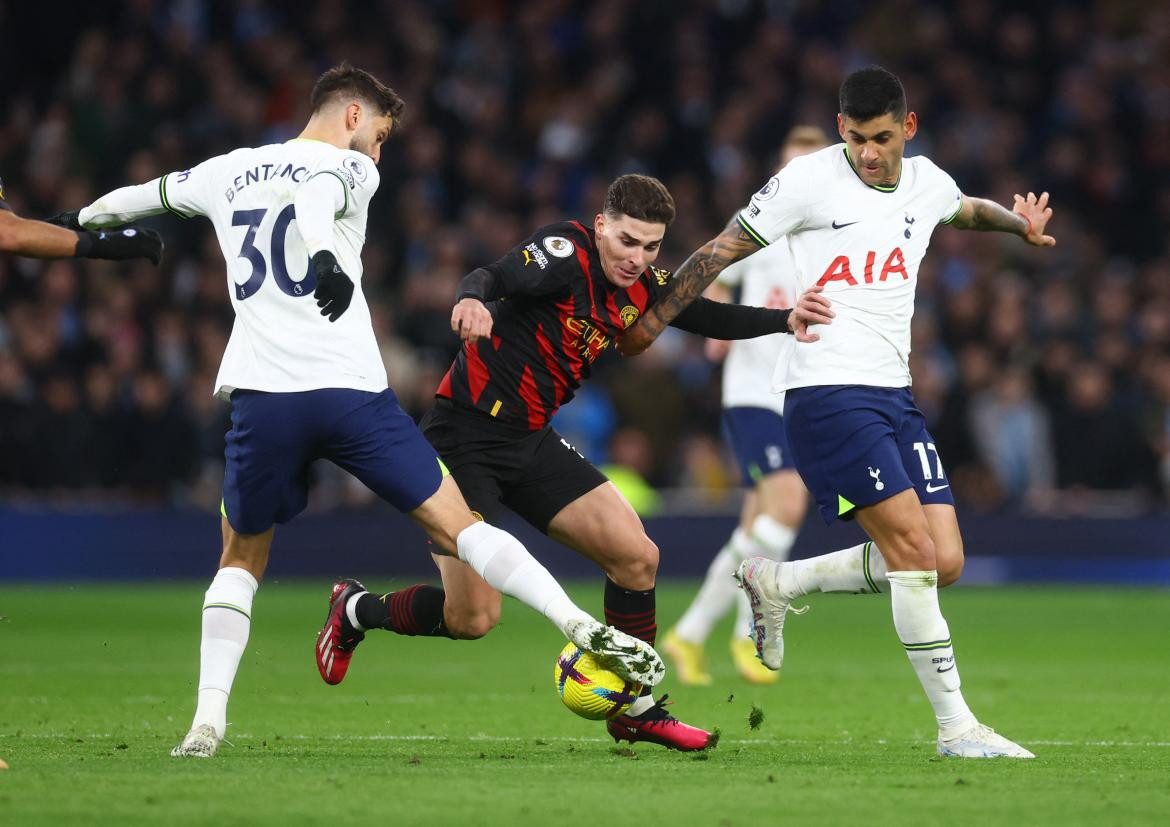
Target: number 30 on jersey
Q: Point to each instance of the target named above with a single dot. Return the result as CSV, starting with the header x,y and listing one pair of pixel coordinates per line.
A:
x,y
252,219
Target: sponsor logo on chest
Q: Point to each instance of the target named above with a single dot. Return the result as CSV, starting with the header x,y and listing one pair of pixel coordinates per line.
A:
x,y
590,340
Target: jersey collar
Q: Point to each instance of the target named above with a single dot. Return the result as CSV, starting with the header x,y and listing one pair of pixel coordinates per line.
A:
x,y
849,160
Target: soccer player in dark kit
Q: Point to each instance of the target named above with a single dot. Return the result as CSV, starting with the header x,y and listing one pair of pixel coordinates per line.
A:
x,y
532,324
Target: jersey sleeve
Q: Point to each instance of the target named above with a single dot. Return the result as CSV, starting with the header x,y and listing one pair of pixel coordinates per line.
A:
x,y
950,197
658,283
188,193
357,177
540,265
779,207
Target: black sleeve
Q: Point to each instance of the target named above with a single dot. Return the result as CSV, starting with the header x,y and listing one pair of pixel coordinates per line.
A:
x,y
719,320
540,265
481,283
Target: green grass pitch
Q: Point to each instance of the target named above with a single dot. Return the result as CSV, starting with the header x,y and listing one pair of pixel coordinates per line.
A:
x,y
98,684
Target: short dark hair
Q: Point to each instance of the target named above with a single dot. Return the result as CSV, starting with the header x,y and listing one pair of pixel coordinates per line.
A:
x,y
640,197
349,81
870,93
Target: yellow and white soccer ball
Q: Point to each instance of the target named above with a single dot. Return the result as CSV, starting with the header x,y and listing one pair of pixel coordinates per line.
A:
x,y
588,688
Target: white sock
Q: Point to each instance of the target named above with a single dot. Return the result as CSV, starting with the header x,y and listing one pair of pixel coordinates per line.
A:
x,y
501,560
227,619
717,594
351,611
714,599
640,705
859,570
772,537
924,633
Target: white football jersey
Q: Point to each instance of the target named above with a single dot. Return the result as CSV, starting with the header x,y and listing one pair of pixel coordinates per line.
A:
x,y
280,342
864,244
765,279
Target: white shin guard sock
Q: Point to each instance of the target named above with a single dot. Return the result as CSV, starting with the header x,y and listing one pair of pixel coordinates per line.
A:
x,y
773,538
501,560
859,570
714,599
927,640
227,619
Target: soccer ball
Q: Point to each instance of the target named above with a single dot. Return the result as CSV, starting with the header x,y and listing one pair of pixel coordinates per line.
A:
x,y
588,688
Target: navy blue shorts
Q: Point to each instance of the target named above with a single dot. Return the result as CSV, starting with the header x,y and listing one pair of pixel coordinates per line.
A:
x,y
856,445
276,436
758,441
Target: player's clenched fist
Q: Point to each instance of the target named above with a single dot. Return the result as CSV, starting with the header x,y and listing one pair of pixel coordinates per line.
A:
x,y
471,320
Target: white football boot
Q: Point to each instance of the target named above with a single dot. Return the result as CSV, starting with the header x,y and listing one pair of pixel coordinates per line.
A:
x,y
981,741
201,742
760,578
632,659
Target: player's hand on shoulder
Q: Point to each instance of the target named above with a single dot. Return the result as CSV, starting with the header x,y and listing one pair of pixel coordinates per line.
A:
x,y
811,308
471,320
1037,213
334,288
118,245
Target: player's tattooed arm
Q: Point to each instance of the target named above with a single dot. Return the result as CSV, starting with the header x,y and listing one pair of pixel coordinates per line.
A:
x,y
688,283
1027,218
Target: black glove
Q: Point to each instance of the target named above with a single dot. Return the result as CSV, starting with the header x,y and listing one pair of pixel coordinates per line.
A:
x,y
334,288
131,242
68,220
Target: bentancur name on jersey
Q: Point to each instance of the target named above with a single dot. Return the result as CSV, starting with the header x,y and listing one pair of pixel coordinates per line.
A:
x,y
254,176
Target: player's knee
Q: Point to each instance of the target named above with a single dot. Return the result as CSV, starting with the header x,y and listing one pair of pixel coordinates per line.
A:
x,y
912,549
950,565
474,624
638,568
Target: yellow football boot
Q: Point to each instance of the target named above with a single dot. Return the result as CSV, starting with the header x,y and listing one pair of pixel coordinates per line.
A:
x,y
743,655
690,667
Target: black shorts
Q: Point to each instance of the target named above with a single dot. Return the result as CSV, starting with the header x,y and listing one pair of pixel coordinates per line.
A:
x,y
534,473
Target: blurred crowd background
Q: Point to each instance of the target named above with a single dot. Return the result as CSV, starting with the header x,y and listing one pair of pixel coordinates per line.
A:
x,y
1045,375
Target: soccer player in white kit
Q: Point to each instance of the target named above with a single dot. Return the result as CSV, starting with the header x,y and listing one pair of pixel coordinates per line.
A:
x,y
858,217
291,221
752,416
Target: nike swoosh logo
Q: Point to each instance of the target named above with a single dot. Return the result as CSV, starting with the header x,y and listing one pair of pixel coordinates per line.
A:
x,y
948,669
837,226
930,489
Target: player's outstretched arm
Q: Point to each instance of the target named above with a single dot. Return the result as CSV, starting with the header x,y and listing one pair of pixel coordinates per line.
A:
x,y
689,281
40,239
35,239
116,208
1027,218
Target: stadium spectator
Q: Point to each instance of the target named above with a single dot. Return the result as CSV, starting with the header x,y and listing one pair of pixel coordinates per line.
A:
x,y
519,113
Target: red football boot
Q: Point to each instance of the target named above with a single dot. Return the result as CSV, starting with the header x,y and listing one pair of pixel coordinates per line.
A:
x,y
337,640
658,726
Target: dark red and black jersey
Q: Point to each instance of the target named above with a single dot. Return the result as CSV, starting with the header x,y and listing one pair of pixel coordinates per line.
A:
x,y
554,314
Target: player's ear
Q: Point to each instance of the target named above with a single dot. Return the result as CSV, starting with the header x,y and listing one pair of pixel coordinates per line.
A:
x,y
599,223
353,114
910,125
841,125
